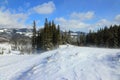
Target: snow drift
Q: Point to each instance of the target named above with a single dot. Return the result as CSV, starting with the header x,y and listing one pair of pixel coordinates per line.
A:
x,y
66,63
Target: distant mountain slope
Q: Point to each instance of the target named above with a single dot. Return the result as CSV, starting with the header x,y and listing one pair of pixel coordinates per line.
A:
x,y
3,39
9,32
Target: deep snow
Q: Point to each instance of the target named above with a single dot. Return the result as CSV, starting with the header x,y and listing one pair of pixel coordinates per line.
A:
x,y
66,63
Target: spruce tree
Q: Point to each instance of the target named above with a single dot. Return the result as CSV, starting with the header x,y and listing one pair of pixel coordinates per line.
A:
x,y
119,36
115,36
34,35
58,35
47,37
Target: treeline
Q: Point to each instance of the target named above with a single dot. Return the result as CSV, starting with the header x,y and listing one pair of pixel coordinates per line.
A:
x,y
47,37
106,37
50,37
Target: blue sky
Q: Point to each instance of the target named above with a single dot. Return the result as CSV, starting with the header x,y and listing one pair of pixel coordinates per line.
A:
x,y
76,15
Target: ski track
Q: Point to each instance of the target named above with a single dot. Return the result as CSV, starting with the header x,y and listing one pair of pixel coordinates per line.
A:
x,y
70,63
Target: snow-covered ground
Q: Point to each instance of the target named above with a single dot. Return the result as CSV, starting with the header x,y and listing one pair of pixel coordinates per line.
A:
x,y
66,63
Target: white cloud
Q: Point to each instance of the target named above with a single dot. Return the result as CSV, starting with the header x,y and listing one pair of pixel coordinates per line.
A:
x,y
103,22
82,16
76,21
117,18
45,8
16,20
71,24
100,24
108,23
61,20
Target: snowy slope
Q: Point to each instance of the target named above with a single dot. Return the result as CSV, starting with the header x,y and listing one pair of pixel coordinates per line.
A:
x,y
66,63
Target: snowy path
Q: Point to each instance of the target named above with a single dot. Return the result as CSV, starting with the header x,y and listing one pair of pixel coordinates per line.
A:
x,y
65,63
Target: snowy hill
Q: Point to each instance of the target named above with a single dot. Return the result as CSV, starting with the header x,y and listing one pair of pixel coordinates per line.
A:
x,y
66,63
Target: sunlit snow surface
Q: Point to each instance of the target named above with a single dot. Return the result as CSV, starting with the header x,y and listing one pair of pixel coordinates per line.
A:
x,y
66,63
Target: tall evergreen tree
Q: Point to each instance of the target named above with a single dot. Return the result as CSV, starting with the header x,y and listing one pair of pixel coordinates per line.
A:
x,y
34,35
119,36
58,38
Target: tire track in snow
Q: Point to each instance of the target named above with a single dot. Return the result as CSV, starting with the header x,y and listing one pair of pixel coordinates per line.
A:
x,y
24,75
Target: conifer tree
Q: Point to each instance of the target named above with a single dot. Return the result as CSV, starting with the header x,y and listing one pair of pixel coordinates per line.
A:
x,y
115,36
119,36
34,35
58,38
107,37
